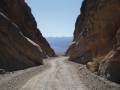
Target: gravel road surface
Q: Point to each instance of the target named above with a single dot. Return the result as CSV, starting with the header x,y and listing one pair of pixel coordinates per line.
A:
x,y
57,74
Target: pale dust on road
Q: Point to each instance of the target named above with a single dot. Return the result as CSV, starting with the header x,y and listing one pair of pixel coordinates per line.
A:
x,y
60,76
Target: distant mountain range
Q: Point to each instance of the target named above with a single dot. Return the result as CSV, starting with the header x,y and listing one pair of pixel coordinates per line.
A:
x,y
60,44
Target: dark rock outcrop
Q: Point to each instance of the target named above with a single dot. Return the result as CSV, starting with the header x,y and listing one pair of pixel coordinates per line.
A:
x,y
19,12
17,51
21,43
110,65
95,34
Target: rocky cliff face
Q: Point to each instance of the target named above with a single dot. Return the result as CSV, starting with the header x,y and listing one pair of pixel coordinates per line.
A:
x,y
97,35
110,65
21,43
19,13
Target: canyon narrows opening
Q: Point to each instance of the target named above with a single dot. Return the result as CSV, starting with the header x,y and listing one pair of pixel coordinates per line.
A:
x,y
38,51
56,20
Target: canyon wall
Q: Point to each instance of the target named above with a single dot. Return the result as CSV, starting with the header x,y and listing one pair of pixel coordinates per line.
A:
x,y
97,35
21,43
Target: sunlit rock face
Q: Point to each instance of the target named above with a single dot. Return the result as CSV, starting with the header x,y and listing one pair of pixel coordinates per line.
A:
x,y
21,43
96,34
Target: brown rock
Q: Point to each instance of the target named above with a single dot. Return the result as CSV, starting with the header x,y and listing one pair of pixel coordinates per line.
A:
x,y
97,34
16,50
95,29
19,13
110,66
22,44
118,39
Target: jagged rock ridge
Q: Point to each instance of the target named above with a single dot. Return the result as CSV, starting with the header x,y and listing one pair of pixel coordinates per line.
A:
x,y
97,35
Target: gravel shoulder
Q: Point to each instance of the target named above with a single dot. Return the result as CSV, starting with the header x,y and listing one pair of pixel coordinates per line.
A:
x,y
92,81
15,80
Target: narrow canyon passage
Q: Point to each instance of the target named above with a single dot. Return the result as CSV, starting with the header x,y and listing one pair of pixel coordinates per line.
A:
x,y
61,76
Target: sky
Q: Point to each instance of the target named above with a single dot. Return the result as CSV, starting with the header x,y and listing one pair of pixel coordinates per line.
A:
x,y
55,18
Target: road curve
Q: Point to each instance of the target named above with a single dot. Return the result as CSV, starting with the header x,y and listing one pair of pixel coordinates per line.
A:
x,y
60,76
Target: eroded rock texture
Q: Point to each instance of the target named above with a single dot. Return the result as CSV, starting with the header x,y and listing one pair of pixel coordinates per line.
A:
x,y
110,65
19,12
21,43
96,34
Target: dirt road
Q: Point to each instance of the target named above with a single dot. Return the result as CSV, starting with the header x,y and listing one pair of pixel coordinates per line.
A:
x,y
60,76
57,74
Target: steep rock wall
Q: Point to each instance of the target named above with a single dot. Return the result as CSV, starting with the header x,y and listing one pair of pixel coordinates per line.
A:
x,y
20,13
96,35
21,43
16,50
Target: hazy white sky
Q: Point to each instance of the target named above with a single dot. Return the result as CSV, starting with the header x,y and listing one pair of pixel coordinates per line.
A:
x,y
55,18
